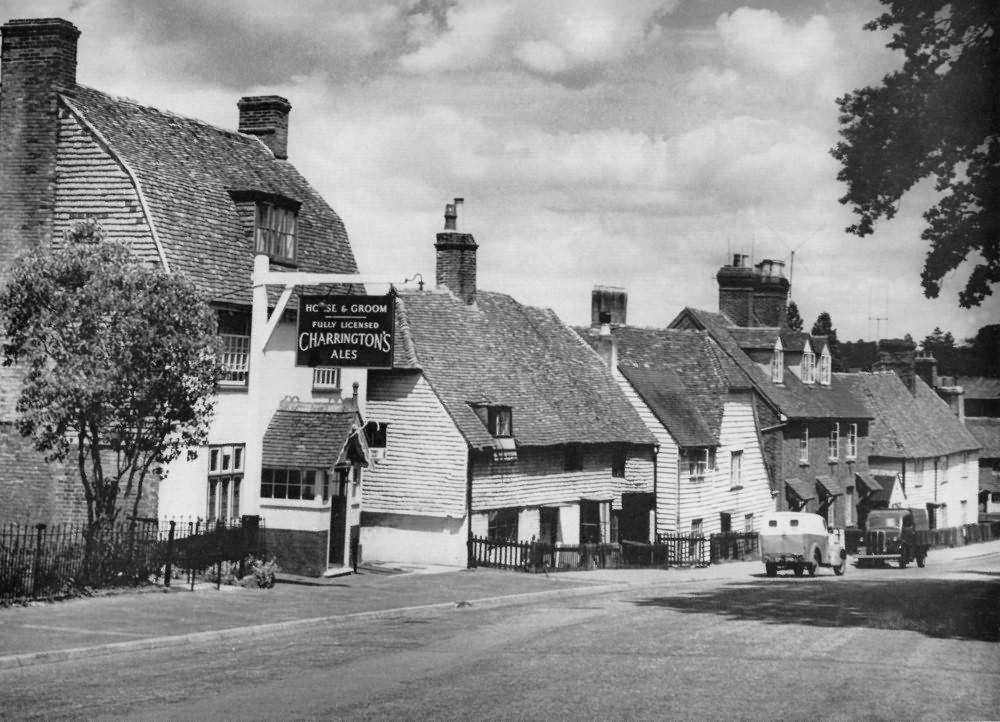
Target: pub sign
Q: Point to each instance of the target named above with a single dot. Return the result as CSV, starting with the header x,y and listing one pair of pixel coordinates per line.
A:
x,y
345,331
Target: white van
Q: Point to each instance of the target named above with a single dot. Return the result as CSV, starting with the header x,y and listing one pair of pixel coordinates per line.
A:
x,y
801,542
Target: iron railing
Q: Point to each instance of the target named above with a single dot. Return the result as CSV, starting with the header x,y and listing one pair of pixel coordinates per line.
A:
x,y
41,561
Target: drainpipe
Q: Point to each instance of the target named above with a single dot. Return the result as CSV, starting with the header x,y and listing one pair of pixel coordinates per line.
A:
x,y
656,496
468,508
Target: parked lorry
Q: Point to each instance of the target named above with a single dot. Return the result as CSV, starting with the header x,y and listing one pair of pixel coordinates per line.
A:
x,y
901,535
801,542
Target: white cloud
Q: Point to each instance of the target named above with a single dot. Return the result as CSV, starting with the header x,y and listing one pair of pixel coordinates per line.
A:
x,y
549,39
766,41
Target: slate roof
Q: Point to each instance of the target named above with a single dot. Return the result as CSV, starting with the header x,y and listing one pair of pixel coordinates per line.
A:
x,y
905,425
680,375
499,352
792,398
987,432
306,439
803,489
883,495
186,170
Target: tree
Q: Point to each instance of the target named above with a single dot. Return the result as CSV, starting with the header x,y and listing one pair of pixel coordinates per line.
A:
x,y
937,116
793,320
824,327
121,363
984,349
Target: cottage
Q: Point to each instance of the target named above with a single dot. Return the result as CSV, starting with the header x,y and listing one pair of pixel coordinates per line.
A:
x,y
920,453
699,405
201,201
497,421
813,430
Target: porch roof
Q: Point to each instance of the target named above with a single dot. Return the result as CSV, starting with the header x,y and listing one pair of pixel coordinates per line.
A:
x,y
802,489
308,439
829,485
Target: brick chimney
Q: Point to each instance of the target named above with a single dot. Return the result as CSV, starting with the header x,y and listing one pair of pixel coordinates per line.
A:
x,y
898,354
456,257
753,295
610,300
38,60
266,116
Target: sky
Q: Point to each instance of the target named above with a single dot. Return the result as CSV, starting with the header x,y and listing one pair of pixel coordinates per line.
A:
x,y
638,144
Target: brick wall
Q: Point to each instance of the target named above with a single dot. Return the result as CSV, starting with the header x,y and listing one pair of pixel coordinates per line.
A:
x,y
298,552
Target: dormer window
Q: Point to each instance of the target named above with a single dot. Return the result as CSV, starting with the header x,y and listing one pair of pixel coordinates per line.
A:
x,y
824,367
778,363
274,232
499,421
808,367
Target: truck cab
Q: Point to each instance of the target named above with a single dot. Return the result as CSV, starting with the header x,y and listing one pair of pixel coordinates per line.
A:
x,y
801,542
901,535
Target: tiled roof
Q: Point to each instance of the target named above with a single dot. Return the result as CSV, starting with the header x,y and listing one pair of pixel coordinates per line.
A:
x,y
868,480
987,433
497,351
803,489
830,486
306,439
681,375
764,338
186,171
884,495
792,398
908,425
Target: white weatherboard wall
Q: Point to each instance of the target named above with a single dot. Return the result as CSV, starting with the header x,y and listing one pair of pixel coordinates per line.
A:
x,y
952,482
415,497
538,478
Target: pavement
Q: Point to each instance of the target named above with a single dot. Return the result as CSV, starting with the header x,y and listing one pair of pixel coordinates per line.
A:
x,y
158,617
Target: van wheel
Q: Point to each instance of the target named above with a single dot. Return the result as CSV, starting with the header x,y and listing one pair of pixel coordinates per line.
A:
x,y
798,569
771,568
814,565
839,569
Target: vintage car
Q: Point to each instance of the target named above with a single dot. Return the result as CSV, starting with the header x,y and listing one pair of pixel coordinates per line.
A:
x,y
901,535
801,542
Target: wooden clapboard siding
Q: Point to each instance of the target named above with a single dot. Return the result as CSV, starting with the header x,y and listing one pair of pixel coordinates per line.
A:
x,y
538,477
424,471
90,182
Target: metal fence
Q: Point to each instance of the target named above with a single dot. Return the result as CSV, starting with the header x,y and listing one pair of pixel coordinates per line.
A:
x,y
41,561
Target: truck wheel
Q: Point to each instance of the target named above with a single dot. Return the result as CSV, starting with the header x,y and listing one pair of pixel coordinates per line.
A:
x,y
921,560
771,568
903,560
798,569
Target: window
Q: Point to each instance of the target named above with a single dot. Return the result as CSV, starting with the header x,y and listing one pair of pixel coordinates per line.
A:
x,y
618,462
573,458
778,363
808,368
834,443
274,232
234,330
377,437
295,484
326,378
852,441
804,446
502,525
225,477
824,367
736,470
748,523
499,421
698,464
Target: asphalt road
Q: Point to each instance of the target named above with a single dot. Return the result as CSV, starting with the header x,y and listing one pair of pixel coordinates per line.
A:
x,y
876,644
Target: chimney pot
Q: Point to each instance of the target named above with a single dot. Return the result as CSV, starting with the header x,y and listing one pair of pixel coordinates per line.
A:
x,y
456,257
